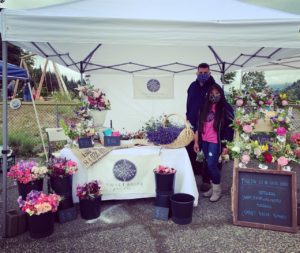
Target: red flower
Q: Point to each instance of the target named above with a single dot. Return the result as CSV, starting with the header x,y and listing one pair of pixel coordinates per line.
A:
x,y
268,157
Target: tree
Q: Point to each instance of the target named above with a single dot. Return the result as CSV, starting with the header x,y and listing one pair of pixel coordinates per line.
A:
x,y
254,80
229,77
14,55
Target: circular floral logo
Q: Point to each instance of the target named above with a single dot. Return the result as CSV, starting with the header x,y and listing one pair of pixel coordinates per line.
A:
x,y
124,170
153,85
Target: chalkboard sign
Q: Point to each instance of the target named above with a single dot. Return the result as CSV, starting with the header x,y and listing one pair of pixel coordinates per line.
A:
x,y
266,199
85,142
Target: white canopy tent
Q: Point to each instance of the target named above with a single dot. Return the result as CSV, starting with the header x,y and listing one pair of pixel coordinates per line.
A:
x,y
106,37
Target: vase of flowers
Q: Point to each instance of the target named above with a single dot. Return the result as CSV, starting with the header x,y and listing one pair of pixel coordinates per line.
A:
x,y
89,195
164,180
60,171
29,176
40,208
96,101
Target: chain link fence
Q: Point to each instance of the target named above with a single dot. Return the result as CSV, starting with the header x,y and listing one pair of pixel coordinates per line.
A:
x,y
23,130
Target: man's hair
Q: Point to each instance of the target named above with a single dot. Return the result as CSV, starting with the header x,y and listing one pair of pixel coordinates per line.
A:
x,y
203,65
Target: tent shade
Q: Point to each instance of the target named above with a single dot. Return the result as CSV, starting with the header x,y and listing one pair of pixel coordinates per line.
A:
x,y
170,36
14,72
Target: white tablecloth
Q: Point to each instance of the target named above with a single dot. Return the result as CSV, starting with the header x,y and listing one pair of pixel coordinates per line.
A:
x,y
176,158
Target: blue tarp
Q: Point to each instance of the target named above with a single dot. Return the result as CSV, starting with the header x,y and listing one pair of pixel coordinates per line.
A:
x,y
14,72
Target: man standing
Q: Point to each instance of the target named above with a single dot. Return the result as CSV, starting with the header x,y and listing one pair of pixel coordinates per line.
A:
x,y
195,101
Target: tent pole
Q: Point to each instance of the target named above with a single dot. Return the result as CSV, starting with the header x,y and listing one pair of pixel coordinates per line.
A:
x,y
38,121
4,137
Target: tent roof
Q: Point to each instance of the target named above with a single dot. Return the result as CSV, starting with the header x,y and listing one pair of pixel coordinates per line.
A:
x,y
14,72
129,35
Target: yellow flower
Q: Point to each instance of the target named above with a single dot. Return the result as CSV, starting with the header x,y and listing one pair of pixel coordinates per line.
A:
x,y
265,147
282,96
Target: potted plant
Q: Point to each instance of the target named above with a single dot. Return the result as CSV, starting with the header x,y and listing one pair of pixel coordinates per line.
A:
x,y
40,208
164,180
60,171
89,195
29,176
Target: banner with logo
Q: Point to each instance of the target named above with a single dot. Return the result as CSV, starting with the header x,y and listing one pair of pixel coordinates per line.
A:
x,y
153,86
126,174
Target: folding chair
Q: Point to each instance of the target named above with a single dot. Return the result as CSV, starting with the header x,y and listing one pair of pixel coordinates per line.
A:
x,y
54,135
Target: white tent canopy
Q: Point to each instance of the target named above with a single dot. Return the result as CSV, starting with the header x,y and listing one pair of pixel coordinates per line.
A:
x,y
131,36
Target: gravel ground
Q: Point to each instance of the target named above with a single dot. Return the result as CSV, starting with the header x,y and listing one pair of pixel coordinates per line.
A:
x,y
128,226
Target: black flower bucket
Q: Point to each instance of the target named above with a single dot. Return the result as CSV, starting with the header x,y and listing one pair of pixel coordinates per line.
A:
x,y
90,208
24,189
42,225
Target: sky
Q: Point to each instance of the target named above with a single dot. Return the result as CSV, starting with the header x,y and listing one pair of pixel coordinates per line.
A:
x,y
272,77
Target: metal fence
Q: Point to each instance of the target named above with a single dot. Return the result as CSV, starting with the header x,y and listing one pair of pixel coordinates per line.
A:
x,y
22,123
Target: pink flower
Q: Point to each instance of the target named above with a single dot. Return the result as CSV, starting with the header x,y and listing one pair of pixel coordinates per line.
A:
x,y
281,131
247,128
239,102
261,102
245,158
268,102
282,161
284,102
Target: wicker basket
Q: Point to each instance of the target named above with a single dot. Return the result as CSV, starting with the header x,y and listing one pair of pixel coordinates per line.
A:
x,y
184,138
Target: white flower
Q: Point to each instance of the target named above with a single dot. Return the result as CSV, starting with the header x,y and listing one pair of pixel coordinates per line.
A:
x,y
236,149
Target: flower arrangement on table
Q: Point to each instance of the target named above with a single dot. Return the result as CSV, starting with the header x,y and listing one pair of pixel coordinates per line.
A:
x,y
160,169
95,99
244,123
27,171
281,100
37,203
281,124
237,97
161,131
75,128
89,190
132,135
295,142
262,98
61,167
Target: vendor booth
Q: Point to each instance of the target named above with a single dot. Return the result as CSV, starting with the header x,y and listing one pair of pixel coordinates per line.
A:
x,y
122,43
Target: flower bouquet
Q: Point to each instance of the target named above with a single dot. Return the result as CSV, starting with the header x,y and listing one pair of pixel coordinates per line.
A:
x,y
262,98
29,176
168,134
89,195
164,170
61,167
295,141
281,100
40,208
237,97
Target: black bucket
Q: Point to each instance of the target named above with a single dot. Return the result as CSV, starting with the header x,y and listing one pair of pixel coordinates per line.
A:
x,y
61,185
41,225
182,208
164,183
24,189
90,208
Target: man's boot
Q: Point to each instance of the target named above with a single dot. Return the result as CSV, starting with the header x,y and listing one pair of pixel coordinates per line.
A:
x,y
216,192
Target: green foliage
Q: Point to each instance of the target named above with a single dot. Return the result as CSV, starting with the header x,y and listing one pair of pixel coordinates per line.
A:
x,y
229,77
23,144
254,80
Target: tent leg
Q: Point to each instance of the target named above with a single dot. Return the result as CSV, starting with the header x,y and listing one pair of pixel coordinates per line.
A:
x,y
4,137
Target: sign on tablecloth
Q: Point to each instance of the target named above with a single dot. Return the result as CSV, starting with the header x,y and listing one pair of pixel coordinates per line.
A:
x,y
126,174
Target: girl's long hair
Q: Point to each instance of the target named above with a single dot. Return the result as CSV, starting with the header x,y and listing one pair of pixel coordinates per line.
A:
x,y
207,107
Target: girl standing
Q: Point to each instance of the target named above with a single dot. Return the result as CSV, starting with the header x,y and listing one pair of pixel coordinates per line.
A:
x,y
213,128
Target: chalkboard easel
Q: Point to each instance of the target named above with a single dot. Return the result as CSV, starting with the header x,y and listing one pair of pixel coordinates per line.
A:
x,y
265,199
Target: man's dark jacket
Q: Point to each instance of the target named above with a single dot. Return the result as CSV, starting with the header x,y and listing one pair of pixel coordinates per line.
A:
x,y
195,100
